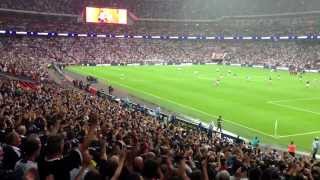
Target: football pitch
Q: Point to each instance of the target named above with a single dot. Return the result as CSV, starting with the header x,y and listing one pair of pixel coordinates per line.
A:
x,y
277,110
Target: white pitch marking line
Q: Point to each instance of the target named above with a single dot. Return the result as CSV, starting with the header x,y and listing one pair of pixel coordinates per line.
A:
x,y
288,100
194,109
255,130
299,134
294,108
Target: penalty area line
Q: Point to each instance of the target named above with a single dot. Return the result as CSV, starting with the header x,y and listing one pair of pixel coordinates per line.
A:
x,y
298,99
294,108
197,110
299,134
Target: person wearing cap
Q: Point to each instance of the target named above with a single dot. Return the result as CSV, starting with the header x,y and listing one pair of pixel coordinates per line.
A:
x,y
315,147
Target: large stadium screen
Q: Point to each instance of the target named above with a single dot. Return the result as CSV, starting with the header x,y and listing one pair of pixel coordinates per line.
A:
x,y
106,15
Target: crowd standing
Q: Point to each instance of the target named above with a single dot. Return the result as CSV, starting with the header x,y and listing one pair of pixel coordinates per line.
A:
x,y
30,56
174,9
59,133
227,26
54,132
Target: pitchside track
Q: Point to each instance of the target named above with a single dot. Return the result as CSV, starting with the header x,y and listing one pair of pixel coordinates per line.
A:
x,y
277,110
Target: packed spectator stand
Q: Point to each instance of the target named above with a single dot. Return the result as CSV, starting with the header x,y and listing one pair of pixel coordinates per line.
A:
x,y
29,56
50,131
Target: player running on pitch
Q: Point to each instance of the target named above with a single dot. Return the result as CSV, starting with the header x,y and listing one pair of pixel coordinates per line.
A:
x,y
217,82
248,78
270,80
308,84
300,76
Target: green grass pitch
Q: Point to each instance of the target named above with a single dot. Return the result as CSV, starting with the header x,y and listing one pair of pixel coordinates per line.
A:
x,y
277,111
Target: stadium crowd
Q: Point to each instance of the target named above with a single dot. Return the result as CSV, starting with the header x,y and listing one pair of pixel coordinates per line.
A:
x,y
49,131
228,26
188,9
30,56
58,6
57,133
173,9
53,132
229,23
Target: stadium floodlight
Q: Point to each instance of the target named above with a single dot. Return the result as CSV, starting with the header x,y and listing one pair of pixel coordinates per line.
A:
x,y
82,35
32,33
101,35
119,36
247,38
62,34
210,38
72,34
155,37
173,37
275,38
191,37
22,33
53,34
138,37
92,35
302,37
43,34
265,37
10,32
228,38
313,37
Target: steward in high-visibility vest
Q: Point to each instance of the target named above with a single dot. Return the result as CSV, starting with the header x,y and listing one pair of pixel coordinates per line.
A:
x,y
292,149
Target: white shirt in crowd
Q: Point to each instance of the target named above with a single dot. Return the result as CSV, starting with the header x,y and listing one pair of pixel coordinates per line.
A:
x,y
315,144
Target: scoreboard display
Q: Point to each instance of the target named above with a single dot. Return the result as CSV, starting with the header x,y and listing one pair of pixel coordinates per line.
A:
x,y
106,15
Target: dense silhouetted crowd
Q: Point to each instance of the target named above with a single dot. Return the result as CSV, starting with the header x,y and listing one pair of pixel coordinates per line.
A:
x,y
30,56
56,133
174,9
227,26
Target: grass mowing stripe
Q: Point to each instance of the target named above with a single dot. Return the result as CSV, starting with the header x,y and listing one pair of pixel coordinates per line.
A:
x,y
294,108
237,99
191,108
299,99
299,134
